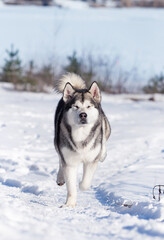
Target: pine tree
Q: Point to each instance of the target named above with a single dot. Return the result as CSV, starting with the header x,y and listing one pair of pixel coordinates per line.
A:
x,y
74,64
12,69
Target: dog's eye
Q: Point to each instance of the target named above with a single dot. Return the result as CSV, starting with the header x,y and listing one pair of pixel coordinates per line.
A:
x,y
75,106
88,106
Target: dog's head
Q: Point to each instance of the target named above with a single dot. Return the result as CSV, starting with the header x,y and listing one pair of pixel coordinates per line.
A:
x,y
82,106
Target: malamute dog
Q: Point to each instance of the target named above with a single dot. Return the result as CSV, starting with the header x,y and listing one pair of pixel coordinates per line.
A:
x,y
81,132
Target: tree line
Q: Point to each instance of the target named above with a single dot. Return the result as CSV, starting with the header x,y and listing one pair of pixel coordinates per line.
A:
x,y
105,70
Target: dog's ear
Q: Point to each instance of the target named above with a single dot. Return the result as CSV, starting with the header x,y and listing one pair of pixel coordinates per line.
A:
x,y
95,92
68,92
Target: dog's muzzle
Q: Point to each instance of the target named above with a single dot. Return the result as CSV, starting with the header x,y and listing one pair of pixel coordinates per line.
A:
x,y
83,117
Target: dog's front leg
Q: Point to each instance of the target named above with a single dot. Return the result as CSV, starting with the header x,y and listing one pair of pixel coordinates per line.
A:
x,y
88,172
70,174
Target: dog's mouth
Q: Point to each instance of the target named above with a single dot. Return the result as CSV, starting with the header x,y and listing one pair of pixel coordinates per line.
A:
x,y
83,121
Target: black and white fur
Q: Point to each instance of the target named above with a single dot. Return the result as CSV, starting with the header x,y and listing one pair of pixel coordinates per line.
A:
x,y
81,132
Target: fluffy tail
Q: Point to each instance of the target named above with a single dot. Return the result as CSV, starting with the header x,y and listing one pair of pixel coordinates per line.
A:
x,y
75,80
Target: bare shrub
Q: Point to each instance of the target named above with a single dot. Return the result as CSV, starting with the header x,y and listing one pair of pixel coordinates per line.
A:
x,y
155,84
103,69
38,79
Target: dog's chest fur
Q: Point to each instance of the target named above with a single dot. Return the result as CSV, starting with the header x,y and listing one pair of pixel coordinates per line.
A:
x,y
80,134
83,149
81,155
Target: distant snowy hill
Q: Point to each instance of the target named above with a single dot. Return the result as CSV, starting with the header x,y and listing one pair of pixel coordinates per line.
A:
x,y
119,204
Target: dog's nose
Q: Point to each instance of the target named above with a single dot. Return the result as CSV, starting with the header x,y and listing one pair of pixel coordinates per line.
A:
x,y
83,115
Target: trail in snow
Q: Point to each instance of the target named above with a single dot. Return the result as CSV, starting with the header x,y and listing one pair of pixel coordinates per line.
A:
x,y
119,204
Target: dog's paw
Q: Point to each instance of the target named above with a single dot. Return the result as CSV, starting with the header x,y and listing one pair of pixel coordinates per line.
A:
x,y
68,205
60,178
70,202
61,183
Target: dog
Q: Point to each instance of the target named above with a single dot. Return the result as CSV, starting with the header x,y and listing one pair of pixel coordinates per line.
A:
x,y
81,132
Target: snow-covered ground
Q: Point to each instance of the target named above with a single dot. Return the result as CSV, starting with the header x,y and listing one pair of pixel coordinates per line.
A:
x,y
71,4
119,204
49,33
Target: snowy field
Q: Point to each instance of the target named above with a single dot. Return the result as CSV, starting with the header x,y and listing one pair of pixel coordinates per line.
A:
x,y
49,33
119,204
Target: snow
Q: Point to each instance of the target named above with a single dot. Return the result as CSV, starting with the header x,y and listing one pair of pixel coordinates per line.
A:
x,y
119,204
73,4
50,34
1,3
